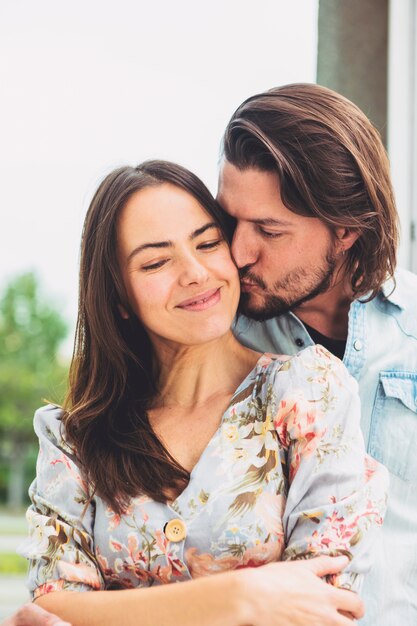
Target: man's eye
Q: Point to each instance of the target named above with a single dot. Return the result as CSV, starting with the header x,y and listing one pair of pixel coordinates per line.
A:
x,y
208,245
154,266
268,233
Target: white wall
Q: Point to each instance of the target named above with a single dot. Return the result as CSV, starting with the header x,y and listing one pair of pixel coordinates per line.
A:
x,y
87,86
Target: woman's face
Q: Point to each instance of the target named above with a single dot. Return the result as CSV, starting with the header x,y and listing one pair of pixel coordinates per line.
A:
x,y
176,267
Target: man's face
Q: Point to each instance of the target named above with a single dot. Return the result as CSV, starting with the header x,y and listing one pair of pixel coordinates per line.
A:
x,y
284,259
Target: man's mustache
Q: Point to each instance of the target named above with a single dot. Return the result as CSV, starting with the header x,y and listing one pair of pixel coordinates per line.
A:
x,y
246,275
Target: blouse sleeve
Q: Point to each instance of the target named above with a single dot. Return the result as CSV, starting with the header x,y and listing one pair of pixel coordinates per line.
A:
x,y
60,547
336,492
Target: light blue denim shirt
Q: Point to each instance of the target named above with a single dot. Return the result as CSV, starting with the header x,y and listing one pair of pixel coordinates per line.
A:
x,y
381,353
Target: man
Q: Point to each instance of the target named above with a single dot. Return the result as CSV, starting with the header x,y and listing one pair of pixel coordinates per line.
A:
x,y
306,178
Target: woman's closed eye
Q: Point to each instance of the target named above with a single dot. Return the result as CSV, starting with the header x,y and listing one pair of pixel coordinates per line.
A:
x,y
154,266
210,245
204,246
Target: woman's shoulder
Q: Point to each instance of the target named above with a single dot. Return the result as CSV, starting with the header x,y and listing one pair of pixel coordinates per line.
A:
x,y
315,355
306,366
49,415
48,425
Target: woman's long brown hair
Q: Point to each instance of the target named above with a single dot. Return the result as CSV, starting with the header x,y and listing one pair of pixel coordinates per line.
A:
x,y
111,377
331,164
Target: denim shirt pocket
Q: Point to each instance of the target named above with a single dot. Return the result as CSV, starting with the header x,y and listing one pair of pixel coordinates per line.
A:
x,y
393,431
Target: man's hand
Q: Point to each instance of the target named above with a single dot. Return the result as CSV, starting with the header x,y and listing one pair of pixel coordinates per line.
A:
x,y
33,615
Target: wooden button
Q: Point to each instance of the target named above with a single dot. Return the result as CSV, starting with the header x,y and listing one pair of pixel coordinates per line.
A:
x,y
175,530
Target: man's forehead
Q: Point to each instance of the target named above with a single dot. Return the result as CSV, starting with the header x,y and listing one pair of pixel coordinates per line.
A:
x,y
260,204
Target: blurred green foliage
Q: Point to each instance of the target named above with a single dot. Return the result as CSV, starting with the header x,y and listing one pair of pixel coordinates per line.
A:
x,y
11,563
28,470
31,332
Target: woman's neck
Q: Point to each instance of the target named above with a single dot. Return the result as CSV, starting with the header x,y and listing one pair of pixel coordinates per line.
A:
x,y
191,376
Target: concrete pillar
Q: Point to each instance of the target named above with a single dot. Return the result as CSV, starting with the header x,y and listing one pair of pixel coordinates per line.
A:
x,y
353,54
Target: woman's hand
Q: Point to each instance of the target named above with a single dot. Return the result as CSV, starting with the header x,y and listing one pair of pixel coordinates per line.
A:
x,y
293,594
33,615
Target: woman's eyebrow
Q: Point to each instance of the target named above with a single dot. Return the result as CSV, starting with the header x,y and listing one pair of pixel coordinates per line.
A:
x,y
168,243
144,246
203,229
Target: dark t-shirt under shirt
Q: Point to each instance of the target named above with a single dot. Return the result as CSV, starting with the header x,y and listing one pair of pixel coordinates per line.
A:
x,y
335,346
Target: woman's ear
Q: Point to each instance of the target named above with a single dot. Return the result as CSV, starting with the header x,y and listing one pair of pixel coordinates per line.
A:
x,y
123,313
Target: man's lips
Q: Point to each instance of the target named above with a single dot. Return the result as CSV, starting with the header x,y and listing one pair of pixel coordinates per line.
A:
x,y
246,285
201,301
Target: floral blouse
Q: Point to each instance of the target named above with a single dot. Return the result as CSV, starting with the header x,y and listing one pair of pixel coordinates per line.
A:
x,y
284,477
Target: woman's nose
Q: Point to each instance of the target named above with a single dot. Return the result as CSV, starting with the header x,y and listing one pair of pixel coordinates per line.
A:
x,y
193,271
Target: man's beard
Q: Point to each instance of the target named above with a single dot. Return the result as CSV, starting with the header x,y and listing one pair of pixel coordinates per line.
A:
x,y
300,286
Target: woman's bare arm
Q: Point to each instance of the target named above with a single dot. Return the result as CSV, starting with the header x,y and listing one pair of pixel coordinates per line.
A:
x,y
278,594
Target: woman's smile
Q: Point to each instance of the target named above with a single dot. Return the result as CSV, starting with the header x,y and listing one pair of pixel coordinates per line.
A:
x,y
201,302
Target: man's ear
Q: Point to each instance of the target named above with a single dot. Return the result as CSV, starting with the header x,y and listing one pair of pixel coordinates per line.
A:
x,y
123,313
346,237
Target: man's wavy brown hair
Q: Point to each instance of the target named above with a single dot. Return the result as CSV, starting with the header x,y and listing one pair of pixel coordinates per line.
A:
x,y
331,164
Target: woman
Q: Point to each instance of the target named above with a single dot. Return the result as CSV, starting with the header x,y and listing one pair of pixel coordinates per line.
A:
x,y
181,453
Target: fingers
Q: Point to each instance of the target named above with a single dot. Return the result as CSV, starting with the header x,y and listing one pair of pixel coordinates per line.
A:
x,y
349,602
34,615
344,619
346,614
323,565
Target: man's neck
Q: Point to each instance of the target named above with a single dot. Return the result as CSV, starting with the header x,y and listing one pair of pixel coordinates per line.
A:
x,y
328,313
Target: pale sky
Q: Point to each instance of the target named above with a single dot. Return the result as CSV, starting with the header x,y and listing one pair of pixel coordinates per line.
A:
x,y
89,85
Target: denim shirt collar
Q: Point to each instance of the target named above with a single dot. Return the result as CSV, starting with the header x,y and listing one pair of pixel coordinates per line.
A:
x,y
395,294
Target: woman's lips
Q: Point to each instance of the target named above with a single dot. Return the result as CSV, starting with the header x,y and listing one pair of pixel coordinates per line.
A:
x,y
201,301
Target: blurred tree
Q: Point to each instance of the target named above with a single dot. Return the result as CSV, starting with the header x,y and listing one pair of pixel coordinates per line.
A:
x,y
31,332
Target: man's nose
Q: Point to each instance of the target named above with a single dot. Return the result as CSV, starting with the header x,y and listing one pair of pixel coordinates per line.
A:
x,y
243,249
